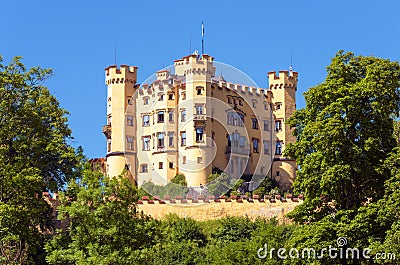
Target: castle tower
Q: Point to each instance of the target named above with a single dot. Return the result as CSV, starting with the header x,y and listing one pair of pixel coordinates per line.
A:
x,y
120,129
283,88
198,72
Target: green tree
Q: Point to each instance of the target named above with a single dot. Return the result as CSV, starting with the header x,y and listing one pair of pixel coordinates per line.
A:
x,y
35,156
104,224
234,229
218,184
344,134
178,229
179,179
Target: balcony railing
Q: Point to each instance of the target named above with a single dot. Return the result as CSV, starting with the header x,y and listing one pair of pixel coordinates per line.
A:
x,y
199,117
107,131
237,150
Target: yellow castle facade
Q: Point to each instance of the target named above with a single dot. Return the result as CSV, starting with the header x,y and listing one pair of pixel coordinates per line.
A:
x,y
190,121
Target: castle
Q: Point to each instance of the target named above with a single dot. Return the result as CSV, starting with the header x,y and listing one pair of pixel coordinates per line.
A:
x,y
190,121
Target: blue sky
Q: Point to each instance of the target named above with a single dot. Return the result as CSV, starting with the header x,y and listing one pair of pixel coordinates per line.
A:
x,y
77,40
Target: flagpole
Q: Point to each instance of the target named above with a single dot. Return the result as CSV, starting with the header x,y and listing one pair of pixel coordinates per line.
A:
x,y
202,38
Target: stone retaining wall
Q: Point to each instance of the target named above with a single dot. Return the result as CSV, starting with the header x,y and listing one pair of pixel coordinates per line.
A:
x,y
203,209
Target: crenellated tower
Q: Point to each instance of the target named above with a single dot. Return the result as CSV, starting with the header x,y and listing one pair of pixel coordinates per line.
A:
x,y
198,71
283,87
121,122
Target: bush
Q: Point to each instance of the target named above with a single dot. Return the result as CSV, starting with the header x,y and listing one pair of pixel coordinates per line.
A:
x,y
179,179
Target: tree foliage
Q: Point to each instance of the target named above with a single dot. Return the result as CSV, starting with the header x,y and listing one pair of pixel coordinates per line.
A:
x,y
179,179
35,156
344,134
104,224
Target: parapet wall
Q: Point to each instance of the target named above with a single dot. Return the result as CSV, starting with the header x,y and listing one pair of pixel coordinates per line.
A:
x,y
203,209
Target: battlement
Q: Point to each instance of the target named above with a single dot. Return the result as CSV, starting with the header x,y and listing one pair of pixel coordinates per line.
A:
x,y
162,74
284,79
123,74
194,58
195,65
283,75
202,208
249,90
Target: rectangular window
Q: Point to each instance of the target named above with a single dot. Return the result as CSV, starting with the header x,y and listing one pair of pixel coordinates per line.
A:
x,y
171,139
171,116
278,125
130,101
129,120
160,143
160,165
240,102
242,141
266,147
254,123
171,165
146,120
143,168
160,117
236,138
183,159
146,101
230,118
199,135
183,139
129,143
161,97
255,145
229,100
199,109
265,105
183,116
170,96
199,90
146,143
278,150
266,125
199,160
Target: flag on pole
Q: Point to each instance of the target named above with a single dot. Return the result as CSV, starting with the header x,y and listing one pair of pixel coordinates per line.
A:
x,y
202,29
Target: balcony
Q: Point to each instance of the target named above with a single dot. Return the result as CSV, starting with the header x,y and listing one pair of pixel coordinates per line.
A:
x,y
107,131
237,150
199,117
